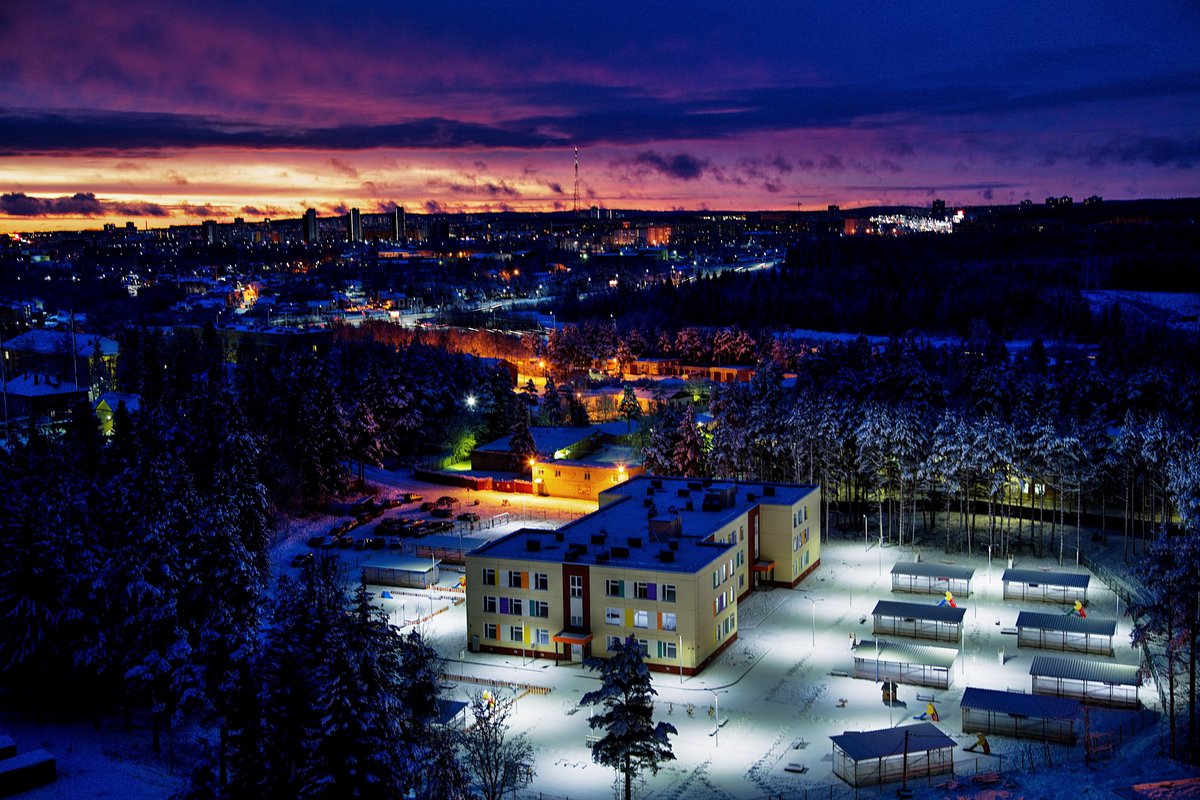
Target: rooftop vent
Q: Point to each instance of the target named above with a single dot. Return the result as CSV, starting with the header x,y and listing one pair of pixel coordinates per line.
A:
x,y
666,556
751,496
656,483
681,492
559,536
697,485
533,545
635,541
599,538
570,556
673,544
663,528
649,491
768,491
620,552
602,557
647,503
689,506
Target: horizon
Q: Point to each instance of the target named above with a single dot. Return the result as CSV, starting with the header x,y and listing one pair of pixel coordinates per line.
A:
x,y
165,114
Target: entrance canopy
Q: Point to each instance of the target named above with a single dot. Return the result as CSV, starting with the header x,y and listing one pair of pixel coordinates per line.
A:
x,y
572,637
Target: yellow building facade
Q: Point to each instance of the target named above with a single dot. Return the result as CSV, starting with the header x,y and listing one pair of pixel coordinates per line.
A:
x,y
664,560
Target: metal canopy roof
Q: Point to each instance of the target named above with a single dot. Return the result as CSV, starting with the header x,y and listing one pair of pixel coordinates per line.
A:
x,y
1084,669
907,653
1067,623
928,569
922,611
1019,704
1075,580
860,745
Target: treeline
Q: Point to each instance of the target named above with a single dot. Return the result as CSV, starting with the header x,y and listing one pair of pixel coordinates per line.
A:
x,y
1017,283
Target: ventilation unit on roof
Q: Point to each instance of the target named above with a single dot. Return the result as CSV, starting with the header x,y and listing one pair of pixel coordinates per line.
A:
x,y
570,556
673,544
666,556
533,545
689,506
664,528
649,491
681,492
656,483
751,496
559,536
697,485
599,538
768,491
620,552
647,503
602,557
635,541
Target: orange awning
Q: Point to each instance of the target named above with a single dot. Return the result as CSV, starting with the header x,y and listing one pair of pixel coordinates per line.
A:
x,y
762,566
572,637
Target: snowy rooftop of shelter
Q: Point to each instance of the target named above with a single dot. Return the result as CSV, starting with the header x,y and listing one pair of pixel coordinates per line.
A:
x,y
547,439
636,535
1019,704
928,569
906,653
44,342
1067,622
861,745
406,563
926,611
1086,669
1048,577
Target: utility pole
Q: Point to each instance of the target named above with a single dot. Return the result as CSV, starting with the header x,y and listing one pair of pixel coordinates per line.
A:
x,y
575,204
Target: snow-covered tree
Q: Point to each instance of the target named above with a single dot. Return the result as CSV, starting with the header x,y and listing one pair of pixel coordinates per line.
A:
x,y
687,455
632,742
499,762
520,443
629,409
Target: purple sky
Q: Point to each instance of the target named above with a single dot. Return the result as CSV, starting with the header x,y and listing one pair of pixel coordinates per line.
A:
x,y
161,111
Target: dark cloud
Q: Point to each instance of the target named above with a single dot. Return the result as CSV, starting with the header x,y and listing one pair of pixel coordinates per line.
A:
x,y
19,204
831,163
342,168
206,210
555,187
434,207
680,167
1158,151
80,204
475,188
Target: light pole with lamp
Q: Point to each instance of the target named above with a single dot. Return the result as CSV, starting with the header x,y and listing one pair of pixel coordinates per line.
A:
x,y
716,718
680,635
865,533
813,603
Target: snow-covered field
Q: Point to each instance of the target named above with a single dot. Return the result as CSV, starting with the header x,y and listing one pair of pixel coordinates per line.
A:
x,y
779,704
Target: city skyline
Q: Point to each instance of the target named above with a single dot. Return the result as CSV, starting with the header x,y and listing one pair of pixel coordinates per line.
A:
x,y
163,113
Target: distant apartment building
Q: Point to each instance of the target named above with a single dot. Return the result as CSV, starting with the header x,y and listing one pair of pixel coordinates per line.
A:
x,y
665,560
312,230
354,230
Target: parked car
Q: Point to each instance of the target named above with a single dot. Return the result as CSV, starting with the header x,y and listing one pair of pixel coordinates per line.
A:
x,y
428,505
412,497
315,541
468,516
445,512
376,543
300,559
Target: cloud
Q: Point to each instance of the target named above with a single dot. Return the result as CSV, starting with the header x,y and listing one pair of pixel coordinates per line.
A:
x,y
1158,151
342,168
434,207
475,187
80,204
175,178
205,210
679,167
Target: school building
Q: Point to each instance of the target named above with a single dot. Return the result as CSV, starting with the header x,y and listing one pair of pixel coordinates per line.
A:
x,y
665,560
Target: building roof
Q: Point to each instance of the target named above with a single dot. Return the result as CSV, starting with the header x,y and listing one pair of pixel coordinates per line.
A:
x,y
929,569
1074,580
547,439
1068,623
906,653
645,523
114,399
44,342
37,385
1086,669
1019,704
923,611
885,742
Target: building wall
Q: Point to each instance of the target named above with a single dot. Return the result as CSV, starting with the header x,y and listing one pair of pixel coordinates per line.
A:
x,y
480,616
791,537
568,479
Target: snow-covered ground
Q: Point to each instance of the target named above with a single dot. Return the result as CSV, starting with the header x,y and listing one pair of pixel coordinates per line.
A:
x,y
779,704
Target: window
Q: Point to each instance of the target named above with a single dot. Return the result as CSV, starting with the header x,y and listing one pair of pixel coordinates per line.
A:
x,y
741,533
741,581
716,578
614,588
806,513
641,619
542,636
515,606
489,604
576,620
641,590
516,633
612,643
489,576
558,473
668,650
587,476
613,616
514,579
804,535
668,621
490,630
539,608
668,593
576,586
644,646
541,582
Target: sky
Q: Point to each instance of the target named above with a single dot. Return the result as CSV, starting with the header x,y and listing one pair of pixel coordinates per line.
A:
x,y
167,112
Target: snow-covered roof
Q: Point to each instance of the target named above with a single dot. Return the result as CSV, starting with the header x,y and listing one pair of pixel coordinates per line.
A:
x,y
928,569
1086,669
403,563
113,399
919,738
906,653
44,342
924,611
1075,580
547,439
37,385
1068,623
1020,704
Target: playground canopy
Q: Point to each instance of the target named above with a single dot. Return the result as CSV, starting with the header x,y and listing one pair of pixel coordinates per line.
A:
x,y
1094,682
868,758
419,573
1025,716
1045,586
924,577
920,665
919,620
1066,632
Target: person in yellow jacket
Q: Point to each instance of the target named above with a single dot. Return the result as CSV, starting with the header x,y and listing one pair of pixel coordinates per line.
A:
x,y
981,742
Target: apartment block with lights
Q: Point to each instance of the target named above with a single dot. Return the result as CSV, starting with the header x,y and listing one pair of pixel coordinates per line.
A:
x,y
665,560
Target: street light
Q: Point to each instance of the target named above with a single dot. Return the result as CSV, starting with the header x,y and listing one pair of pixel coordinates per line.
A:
x,y
864,533
471,401
716,718
680,635
813,603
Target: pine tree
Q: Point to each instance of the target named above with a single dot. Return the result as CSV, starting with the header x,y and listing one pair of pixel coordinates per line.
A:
x,y
552,409
521,443
688,453
632,742
629,409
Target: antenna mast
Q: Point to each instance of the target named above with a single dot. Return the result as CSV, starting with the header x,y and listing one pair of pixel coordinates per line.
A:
x,y
575,205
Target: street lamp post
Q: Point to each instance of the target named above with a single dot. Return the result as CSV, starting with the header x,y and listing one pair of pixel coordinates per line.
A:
x,y
680,635
864,533
716,717
813,604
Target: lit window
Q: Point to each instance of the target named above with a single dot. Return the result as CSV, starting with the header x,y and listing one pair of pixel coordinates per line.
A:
x,y
668,621
641,619
613,616
543,636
